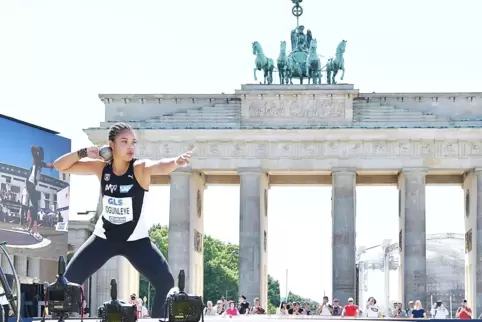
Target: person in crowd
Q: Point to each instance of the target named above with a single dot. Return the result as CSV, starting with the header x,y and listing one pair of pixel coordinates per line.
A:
x,y
85,309
220,307
257,309
209,309
351,309
464,312
289,306
122,227
33,179
145,312
224,302
138,303
398,310
439,311
295,309
409,308
325,309
418,312
337,310
243,306
306,309
372,310
282,310
232,310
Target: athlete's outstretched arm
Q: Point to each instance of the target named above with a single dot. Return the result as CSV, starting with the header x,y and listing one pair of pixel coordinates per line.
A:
x,y
166,166
47,165
83,162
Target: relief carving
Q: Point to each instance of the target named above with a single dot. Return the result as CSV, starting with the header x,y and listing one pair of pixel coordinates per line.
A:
x,y
265,243
199,203
474,149
198,241
426,149
404,148
266,202
450,150
304,108
468,241
315,149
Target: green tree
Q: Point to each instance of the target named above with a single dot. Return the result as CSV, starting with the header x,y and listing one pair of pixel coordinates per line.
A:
x,y
221,263
273,292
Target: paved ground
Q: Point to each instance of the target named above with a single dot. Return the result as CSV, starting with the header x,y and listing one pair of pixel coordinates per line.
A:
x,y
21,243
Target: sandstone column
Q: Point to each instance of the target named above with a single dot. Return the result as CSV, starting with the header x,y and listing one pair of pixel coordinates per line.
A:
x,y
412,236
5,265
473,240
186,228
343,213
20,264
253,230
34,267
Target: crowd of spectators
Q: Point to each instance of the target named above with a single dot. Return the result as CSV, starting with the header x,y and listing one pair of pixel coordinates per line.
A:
x,y
335,308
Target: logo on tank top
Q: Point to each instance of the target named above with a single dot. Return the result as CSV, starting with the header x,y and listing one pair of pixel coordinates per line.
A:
x,y
125,189
107,177
111,187
117,210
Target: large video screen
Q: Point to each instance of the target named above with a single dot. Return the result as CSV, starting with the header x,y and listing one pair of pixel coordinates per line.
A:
x,y
34,197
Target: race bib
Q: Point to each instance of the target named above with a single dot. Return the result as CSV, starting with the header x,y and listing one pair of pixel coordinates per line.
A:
x,y
117,211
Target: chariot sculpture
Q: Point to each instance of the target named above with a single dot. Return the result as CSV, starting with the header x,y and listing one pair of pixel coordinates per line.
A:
x,y
303,61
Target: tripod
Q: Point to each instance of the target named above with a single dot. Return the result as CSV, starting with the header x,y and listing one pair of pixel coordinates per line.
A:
x,y
5,289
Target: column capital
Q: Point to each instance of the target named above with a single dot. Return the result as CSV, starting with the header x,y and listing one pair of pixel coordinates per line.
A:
x,y
336,171
420,170
477,171
186,171
251,170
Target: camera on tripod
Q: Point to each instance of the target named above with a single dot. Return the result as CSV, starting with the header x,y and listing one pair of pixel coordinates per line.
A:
x,y
115,310
183,307
63,296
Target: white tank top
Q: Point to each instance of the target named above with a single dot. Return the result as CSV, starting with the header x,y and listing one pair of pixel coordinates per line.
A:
x,y
325,310
34,175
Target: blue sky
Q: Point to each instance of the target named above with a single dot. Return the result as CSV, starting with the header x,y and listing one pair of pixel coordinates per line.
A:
x,y
16,140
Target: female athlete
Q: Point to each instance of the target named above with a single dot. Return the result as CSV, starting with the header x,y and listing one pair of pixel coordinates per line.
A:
x,y
33,178
122,228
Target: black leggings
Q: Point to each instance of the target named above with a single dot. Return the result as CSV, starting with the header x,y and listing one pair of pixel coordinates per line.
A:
x,y
34,197
142,254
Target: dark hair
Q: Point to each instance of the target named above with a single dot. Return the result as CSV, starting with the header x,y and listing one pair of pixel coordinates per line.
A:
x,y
116,129
281,305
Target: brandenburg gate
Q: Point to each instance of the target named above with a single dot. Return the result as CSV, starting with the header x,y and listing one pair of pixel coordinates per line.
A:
x,y
265,135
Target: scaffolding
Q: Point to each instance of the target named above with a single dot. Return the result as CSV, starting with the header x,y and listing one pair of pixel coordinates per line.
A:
x,y
445,272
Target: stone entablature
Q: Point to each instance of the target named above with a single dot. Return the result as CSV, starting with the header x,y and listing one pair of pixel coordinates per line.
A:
x,y
304,105
314,150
